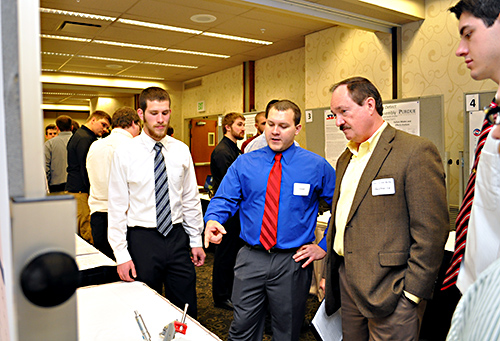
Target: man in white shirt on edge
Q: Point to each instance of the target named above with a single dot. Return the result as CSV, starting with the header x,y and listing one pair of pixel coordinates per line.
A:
x,y
142,252
126,125
479,27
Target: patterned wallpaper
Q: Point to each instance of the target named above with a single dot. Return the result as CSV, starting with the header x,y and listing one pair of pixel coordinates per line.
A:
x,y
282,77
222,92
430,67
338,53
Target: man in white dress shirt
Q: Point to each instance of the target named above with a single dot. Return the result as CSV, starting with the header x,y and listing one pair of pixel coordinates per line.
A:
x,y
479,27
142,252
126,125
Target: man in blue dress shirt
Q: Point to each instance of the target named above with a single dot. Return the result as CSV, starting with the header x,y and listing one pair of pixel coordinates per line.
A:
x,y
278,278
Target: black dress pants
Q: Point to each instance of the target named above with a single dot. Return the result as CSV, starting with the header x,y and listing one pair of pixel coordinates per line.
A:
x,y
224,259
99,226
165,262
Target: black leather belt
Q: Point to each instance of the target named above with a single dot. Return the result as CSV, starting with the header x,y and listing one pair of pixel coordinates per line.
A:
x,y
271,250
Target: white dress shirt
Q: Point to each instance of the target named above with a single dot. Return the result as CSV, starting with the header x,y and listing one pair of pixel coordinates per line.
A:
x,y
131,199
98,165
483,233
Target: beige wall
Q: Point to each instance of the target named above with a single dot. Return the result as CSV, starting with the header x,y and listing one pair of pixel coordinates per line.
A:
x,y
431,67
282,77
338,53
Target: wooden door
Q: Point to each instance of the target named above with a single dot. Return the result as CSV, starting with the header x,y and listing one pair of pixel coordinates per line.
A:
x,y
203,141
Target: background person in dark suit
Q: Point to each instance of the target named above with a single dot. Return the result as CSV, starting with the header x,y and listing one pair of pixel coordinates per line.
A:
x,y
389,221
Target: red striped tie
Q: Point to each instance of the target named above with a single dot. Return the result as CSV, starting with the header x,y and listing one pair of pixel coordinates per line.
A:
x,y
270,219
462,222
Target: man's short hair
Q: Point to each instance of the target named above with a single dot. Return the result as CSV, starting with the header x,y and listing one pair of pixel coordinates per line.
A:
x,y
229,119
284,105
486,10
50,126
100,115
359,90
124,117
153,93
268,106
64,123
75,125
262,113
170,130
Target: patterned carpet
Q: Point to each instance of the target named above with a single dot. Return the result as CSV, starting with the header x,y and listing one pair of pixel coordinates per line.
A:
x,y
218,320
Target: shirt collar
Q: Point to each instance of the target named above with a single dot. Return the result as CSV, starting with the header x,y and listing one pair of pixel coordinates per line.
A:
x,y
287,154
150,142
121,131
370,144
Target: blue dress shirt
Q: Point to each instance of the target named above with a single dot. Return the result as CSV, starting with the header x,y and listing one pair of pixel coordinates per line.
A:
x,y
306,178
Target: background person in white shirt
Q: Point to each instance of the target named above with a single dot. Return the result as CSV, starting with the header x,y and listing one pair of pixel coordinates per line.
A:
x,y
143,253
126,125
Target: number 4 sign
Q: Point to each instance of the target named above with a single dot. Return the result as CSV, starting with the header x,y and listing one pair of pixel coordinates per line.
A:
x,y
472,102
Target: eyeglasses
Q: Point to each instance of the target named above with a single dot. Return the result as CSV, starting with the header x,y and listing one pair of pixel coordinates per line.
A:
x,y
492,114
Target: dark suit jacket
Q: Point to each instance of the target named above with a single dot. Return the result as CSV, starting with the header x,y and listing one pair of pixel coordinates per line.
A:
x,y
391,242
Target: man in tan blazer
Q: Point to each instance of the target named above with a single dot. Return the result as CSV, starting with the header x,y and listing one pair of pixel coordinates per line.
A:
x,y
389,221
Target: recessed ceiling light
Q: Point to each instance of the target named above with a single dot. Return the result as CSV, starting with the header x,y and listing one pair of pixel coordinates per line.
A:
x,y
203,18
114,66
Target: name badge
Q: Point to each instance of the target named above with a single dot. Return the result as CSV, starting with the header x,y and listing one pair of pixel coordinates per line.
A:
x,y
383,187
301,189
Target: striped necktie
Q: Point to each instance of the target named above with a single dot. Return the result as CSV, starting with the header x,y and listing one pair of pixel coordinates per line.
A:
x,y
163,214
462,222
269,228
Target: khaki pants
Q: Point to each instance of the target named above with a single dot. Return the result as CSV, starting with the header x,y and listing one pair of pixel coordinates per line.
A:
x,y
83,216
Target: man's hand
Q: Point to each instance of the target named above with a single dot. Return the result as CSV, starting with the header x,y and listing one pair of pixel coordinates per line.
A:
x,y
311,251
198,256
213,232
124,271
322,284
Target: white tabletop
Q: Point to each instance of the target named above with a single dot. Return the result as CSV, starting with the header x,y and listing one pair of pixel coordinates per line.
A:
x,y
106,312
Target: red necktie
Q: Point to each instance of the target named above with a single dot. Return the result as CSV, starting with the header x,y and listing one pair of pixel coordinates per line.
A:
x,y
270,219
462,222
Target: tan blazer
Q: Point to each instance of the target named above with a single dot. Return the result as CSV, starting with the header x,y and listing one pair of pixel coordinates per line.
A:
x,y
391,242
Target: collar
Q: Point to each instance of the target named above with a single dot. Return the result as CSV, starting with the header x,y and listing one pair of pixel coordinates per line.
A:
x,y
87,129
121,131
287,154
370,144
150,142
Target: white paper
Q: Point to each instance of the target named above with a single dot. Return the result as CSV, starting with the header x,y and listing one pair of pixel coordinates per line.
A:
x,y
404,116
476,119
335,141
329,328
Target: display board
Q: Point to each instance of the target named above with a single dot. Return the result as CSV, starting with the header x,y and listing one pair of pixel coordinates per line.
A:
x,y
423,116
474,103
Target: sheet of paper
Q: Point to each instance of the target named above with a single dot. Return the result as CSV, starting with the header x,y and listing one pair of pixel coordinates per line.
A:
x,y
329,328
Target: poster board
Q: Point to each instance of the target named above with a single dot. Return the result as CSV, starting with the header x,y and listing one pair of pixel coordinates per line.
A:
x,y
474,103
423,116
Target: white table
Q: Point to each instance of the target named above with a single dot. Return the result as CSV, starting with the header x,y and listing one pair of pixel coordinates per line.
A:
x,y
88,257
106,312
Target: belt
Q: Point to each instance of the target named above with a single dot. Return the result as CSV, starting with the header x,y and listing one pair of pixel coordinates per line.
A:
x,y
271,250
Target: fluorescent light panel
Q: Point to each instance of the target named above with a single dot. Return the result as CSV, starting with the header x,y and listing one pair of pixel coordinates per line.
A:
x,y
154,26
77,14
51,36
102,74
137,46
120,60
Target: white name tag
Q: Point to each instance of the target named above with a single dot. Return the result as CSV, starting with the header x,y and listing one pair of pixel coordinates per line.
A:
x,y
383,187
301,189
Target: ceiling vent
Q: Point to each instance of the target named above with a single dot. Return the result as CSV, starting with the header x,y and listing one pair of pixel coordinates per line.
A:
x,y
79,27
192,84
